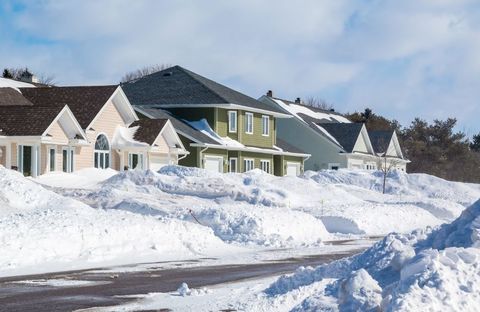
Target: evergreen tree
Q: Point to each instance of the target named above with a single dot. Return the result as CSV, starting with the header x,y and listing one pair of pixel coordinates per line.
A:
x,y
475,144
7,74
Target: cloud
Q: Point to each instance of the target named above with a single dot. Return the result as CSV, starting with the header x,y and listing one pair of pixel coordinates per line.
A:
x,y
403,59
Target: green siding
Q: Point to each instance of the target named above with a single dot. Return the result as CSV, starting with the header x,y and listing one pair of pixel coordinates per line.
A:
x,y
280,167
256,139
191,160
256,160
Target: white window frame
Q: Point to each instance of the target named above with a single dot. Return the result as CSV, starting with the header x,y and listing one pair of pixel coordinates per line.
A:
x,y
265,126
34,159
269,164
97,153
70,158
232,116
235,159
248,126
50,149
245,160
140,160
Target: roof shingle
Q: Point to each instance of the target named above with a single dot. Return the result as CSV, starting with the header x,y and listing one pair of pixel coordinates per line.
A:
x,y
85,102
179,86
345,133
26,120
148,129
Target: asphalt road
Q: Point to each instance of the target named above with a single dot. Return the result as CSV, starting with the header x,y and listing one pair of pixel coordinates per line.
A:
x,y
15,295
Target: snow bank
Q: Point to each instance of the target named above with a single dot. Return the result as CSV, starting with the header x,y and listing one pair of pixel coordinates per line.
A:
x,y
436,270
40,229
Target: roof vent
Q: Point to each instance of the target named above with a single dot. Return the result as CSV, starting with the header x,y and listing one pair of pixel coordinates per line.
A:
x,y
167,74
298,101
270,93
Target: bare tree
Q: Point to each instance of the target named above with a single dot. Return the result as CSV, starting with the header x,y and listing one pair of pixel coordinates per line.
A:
x,y
318,103
386,165
144,71
20,73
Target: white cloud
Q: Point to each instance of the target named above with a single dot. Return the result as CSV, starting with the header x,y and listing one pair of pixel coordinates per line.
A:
x,y
403,58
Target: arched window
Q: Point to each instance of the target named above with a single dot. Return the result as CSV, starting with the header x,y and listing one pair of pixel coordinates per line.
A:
x,y
102,152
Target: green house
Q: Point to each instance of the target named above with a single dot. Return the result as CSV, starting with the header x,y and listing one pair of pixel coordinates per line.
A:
x,y
223,129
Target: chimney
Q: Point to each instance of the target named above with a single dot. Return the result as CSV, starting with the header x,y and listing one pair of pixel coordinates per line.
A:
x,y
269,93
28,77
298,101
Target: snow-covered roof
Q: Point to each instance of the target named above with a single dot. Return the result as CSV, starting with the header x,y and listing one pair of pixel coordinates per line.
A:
x,y
297,110
15,84
124,138
203,126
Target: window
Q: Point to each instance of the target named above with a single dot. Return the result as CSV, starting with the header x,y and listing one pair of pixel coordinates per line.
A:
x,y
67,159
51,154
265,125
232,165
232,121
249,123
265,165
248,164
135,161
102,152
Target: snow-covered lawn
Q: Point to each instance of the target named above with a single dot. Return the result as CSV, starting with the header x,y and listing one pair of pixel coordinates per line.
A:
x,y
100,217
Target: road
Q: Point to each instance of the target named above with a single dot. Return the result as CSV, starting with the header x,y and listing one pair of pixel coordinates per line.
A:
x,y
16,295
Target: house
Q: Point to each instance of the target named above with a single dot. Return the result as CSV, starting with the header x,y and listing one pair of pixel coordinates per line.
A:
x,y
387,146
223,129
70,128
332,140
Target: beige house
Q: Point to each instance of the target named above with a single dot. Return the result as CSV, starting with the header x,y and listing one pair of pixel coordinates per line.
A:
x,y
72,128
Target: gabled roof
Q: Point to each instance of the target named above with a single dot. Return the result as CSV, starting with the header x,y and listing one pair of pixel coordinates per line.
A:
x,y
180,126
27,120
12,97
148,129
344,133
85,102
380,140
177,86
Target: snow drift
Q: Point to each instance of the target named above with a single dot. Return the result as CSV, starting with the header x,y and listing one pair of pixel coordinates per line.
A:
x,y
437,270
40,229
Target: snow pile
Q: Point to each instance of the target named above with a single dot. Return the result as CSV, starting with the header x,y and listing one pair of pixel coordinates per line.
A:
x,y
14,84
436,270
234,206
40,229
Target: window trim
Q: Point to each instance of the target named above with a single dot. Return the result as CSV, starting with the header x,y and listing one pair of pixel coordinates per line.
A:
x,y
230,164
104,152
267,118
266,161
247,115
140,160
230,113
245,164
70,159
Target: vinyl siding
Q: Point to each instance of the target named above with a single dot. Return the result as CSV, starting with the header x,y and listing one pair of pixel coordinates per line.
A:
x,y
256,139
57,134
105,123
3,156
256,160
192,159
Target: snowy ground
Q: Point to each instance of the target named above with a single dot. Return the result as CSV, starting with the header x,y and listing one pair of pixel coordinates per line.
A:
x,y
94,217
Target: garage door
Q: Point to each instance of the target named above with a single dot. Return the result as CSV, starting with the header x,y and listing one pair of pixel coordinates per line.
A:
x,y
157,162
293,169
214,164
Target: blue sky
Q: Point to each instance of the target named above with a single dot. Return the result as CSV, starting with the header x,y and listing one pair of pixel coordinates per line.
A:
x,y
403,59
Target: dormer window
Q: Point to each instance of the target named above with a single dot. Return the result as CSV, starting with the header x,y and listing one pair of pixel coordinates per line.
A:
x,y
249,123
232,121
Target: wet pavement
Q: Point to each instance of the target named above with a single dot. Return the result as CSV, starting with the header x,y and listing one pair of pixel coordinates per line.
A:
x,y
69,291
